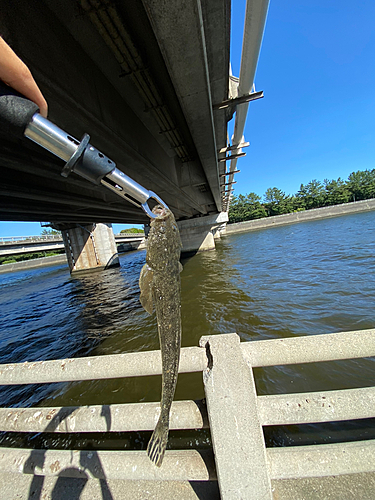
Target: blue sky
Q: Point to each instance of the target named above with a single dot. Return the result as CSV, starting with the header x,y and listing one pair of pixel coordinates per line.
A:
x,y
317,119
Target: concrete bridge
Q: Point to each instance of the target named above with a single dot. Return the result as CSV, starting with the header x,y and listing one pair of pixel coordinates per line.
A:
x,y
150,82
48,243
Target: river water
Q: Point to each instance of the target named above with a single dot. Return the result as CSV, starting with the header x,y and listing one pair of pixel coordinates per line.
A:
x,y
302,279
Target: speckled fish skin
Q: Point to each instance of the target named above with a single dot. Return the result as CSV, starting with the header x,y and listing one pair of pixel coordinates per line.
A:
x,y
161,290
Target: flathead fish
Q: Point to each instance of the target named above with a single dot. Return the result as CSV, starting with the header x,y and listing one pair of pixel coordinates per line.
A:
x,y
160,291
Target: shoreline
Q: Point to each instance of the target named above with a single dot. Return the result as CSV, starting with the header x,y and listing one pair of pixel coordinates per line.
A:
x,y
48,261
307,215
237,227
33,263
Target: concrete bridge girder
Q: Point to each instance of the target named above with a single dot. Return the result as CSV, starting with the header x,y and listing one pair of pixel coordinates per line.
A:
x,y
45,244
199,234
90,248
164,138
194,89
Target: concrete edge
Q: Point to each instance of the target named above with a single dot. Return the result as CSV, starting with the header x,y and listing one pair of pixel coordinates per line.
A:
x,y
307,215
34,263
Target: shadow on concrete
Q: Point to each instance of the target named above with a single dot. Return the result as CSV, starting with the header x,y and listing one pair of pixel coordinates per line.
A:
x,y
71,481
112,262
36,486
94,465
66,488
106,413
206,489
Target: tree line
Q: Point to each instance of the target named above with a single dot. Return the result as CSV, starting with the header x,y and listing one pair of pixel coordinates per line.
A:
x,y
360,185
132,230
11,259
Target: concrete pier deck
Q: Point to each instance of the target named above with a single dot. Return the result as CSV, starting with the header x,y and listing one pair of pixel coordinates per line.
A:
x,y
239,465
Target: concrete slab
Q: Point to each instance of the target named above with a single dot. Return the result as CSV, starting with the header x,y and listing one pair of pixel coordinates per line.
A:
x,y
322,460
34,263
130,364
27,486
347,487
178,465
197,235
310,348
326,406
102,418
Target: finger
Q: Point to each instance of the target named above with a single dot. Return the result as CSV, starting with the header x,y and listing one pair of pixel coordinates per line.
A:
x,y
16,74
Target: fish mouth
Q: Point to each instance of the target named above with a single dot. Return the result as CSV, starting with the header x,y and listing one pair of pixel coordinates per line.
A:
x,y
160,211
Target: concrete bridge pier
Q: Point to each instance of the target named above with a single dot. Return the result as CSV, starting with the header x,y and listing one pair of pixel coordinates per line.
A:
x,y
90,247
199,234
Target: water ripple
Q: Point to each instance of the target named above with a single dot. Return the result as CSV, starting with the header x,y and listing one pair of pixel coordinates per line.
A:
x,y
303,279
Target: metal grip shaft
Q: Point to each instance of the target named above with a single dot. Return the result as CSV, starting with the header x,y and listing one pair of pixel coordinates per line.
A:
x,y
81,157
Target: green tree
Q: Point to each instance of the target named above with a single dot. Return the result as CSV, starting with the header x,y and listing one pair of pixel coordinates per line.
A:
x,y
273,195
246,207
290,204
297,204
50,231
313,194
132,230
275,201
361,184
337,191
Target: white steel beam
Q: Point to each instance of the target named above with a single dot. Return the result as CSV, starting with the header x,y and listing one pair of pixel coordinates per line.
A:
x,y
255,20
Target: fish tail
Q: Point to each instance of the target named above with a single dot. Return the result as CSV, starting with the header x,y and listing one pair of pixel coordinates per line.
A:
x,y
158,443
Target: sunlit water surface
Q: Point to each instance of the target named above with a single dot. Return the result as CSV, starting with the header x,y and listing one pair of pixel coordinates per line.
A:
x,y
302,279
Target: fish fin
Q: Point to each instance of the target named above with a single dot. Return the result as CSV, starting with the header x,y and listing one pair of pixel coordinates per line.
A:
x,y
180,267
158,443
145,282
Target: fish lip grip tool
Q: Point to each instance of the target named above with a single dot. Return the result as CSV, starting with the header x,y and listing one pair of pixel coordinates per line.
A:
x,y
85,160
20,117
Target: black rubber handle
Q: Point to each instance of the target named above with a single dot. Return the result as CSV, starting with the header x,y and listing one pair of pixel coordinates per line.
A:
x,y
16,111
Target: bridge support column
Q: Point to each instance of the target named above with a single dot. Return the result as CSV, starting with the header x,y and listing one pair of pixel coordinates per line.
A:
x,y
199,234
90,247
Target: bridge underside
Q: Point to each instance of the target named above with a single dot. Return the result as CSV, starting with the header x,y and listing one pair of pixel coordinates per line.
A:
x,y
141,78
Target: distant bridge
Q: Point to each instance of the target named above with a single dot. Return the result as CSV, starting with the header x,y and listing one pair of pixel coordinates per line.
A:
x,y
49,243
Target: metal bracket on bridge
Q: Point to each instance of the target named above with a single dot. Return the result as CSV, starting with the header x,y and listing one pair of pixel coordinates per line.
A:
x,y
233,147
231,157
230,173
228,184
239,100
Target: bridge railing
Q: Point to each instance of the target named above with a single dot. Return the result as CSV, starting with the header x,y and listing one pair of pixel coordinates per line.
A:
x,y
20,239
54,237
235,414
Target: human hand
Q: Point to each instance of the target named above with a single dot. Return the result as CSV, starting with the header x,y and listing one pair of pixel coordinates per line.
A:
x,y
17,75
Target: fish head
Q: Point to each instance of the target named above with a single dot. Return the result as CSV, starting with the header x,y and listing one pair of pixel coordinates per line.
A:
x,y
164,243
